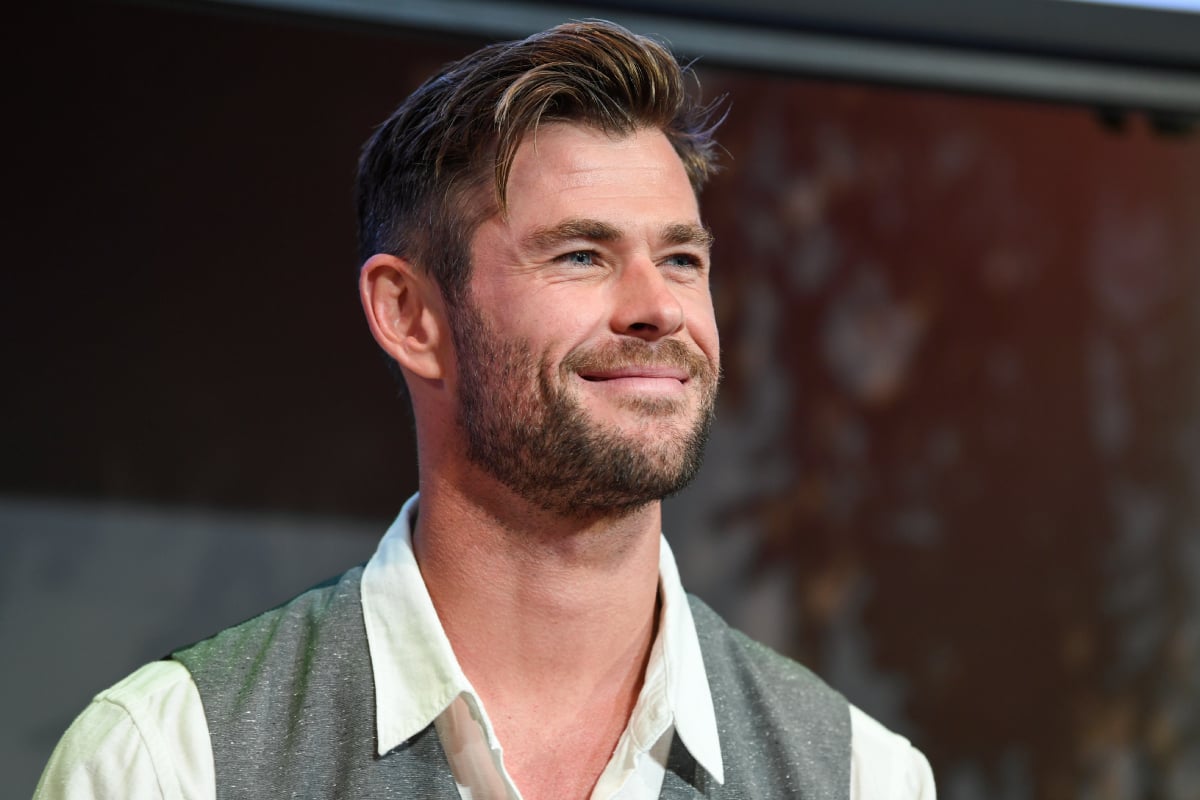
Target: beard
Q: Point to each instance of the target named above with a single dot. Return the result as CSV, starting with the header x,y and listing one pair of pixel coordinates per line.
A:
x,y
525,428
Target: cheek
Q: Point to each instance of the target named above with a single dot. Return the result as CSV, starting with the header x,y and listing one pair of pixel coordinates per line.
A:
x,y
554,330
536,310
569,321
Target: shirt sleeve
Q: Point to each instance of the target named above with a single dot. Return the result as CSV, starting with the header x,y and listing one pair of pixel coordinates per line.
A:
x,y
144,739
884,765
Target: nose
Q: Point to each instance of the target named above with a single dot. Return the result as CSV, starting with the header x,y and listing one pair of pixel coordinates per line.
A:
x,y
646,305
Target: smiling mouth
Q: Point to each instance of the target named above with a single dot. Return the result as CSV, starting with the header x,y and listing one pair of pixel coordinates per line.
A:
x,y
637,373
629,369
641,383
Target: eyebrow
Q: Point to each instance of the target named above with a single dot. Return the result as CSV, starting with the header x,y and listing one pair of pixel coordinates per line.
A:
x,y
549,237
682,233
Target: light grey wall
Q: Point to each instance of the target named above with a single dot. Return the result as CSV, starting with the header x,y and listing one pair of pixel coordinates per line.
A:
x,y
90,591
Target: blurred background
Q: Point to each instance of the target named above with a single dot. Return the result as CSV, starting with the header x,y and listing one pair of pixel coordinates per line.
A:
x,y
957,274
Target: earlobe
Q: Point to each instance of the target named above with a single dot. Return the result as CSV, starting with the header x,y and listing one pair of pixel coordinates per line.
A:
x,y
404,311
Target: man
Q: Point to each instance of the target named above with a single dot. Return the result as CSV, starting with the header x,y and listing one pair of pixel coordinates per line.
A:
x,y
536,267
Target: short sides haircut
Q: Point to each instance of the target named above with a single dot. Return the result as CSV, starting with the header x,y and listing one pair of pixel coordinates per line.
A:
x,y
439,165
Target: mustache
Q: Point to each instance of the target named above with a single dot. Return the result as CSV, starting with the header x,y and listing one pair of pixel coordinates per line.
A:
x,y
637,353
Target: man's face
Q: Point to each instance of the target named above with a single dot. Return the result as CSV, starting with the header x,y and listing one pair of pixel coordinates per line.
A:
x,y
587,350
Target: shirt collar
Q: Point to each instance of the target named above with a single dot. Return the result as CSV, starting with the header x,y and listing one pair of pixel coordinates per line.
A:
x,y
417,675
687,682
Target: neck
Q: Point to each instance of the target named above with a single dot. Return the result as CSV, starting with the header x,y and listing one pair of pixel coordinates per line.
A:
x,y
536,605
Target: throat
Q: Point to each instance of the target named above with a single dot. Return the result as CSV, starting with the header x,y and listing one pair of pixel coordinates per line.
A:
x,y
559,736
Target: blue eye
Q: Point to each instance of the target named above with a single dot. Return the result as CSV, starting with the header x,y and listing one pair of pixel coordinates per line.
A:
x,y
579,258
683,260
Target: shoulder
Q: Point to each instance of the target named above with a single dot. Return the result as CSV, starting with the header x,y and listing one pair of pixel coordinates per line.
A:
x,y
144,737
156,685
782,692
311,651
884,764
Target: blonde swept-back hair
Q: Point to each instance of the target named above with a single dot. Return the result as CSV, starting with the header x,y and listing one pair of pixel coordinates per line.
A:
x,y
439,165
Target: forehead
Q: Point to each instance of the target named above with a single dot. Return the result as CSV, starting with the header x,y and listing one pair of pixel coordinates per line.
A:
x,y
565,170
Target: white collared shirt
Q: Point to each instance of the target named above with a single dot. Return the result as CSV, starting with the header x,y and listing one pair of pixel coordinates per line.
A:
x,y
147,737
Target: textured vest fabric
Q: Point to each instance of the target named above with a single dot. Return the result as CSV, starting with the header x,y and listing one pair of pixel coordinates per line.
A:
x,y
289,699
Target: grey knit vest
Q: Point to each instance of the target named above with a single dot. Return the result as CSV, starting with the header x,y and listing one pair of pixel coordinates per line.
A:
x,y
290,704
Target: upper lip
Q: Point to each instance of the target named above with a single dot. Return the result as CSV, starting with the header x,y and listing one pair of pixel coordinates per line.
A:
x,y
636,371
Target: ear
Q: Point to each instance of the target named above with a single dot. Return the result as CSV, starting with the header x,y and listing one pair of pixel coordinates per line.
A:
x,y
405,312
